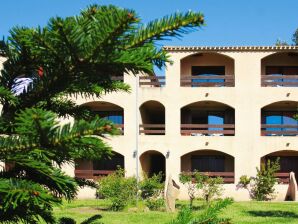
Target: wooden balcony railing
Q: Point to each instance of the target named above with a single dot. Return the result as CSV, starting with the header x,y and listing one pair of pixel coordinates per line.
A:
x,y
228,177
152,129
206,129
283,178
279,130
152,81
279,80
92,174
207,81
121,128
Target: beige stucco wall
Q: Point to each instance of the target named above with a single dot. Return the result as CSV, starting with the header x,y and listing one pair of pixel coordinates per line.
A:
x,y
247,98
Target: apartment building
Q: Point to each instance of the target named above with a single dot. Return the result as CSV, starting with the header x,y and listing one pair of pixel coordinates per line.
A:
x,y
220,110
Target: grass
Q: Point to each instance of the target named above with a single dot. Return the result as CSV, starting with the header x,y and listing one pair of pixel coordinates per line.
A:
x,y
239,212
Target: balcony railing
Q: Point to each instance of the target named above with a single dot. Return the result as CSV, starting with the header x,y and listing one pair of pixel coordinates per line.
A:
x,y
279,80
279,130
228,177
283,178
152,129
92,174
152,81
207,81
207,129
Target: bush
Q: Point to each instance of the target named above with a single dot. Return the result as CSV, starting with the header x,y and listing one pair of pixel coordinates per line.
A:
x,y
118,189
155,204
212,188
261,187
151,187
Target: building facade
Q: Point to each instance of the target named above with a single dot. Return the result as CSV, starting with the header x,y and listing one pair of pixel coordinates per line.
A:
x,y
220,110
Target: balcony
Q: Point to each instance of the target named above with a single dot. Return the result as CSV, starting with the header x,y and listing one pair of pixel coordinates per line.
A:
x,y
207,81
95,169
211,163
109,111
288,161
207,118
207,129
280,80
278,119
280,70
152,81
153,118
207,70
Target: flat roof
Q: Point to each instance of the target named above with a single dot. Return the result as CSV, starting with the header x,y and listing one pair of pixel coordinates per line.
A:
x,y
230,48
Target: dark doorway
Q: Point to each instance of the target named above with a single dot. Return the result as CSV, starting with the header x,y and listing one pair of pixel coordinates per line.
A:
x,y
158,164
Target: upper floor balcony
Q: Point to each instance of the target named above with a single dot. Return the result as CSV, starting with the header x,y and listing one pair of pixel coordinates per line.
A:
x,y
207,118
207,70
152,118
108,111
152,81
280,70
278,119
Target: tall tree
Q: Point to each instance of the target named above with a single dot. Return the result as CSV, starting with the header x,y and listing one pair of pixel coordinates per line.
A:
x,y
295,37
45,67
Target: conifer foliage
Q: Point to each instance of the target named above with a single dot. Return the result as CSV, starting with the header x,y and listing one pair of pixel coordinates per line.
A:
x,y
46,68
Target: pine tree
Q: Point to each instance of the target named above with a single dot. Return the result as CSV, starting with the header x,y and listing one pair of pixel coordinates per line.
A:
x,y
45,68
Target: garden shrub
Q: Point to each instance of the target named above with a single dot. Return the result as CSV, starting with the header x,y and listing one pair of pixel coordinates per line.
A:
x,y
152,189
261,187
197,182
212,188
118,189
155,204
151,186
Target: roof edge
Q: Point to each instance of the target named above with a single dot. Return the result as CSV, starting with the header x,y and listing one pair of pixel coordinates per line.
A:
x,y
230,48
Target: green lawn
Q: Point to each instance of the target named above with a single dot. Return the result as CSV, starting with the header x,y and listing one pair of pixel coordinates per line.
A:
x,y
239,212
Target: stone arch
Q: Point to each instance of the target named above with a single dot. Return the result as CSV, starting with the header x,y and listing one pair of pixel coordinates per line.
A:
x,y
153,162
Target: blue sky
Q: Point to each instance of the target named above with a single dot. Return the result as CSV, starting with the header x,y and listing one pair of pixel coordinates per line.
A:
x,y
229,22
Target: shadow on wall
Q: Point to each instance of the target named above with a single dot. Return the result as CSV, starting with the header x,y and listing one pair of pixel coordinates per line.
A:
x,y
273,213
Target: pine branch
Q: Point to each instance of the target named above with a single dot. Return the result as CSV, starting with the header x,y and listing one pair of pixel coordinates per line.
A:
x,y
169,26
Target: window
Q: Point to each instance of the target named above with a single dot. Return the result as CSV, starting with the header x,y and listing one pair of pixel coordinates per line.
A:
x,y
115,116
208,71
282,71
208,163
109,164
280,118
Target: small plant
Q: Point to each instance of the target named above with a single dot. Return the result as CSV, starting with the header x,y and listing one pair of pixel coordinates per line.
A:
x,y
212,188
155,204
118,189
151,186
261,187
151,189
208,216
187,179
245,181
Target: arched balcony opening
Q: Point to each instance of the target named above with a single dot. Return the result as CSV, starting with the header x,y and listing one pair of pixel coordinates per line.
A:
x,y
207,70
278,119
153,118
210,162
95,169
280,70
153,163
108,111
288,161
207,118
